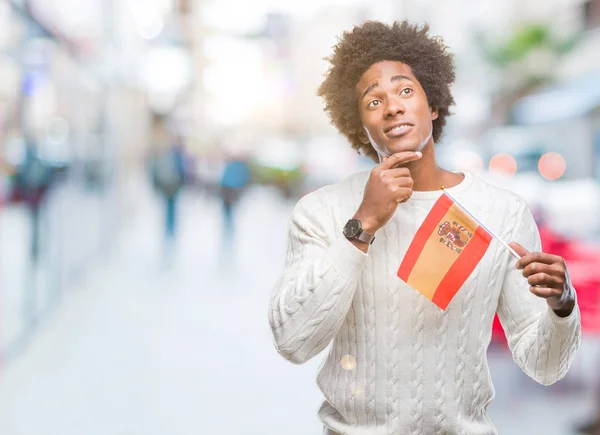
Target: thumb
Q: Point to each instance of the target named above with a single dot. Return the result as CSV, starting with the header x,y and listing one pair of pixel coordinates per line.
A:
x,y
518,249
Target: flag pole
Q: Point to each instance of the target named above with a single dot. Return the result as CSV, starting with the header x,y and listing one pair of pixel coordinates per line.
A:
x,y
511,250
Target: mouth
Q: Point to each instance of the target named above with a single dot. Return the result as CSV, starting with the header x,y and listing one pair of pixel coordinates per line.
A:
x,y
398,129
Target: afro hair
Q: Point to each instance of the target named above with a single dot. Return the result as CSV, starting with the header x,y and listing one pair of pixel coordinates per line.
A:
x,y
373,42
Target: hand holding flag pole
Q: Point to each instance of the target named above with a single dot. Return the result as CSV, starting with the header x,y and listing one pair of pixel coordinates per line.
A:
x,y
445,250
451,242
511,250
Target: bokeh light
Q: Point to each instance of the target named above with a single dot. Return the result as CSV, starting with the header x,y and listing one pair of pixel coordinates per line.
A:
x,y
552,166
467,160
357,391
57,130
504,164
348,362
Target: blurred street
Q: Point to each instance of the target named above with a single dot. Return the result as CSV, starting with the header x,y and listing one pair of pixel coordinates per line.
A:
x,y
146,347
152,151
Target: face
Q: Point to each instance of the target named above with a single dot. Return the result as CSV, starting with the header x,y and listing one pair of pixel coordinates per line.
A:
x,y
393,108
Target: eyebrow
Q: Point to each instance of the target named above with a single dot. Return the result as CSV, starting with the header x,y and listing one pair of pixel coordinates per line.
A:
x,y
376,84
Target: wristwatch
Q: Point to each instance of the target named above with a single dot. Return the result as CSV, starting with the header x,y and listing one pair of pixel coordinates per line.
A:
x,y
353,230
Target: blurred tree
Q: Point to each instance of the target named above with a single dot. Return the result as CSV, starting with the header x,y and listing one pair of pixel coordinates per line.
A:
x,y
525,62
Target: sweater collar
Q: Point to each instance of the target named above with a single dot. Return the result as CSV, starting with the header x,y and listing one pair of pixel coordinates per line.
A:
x,y
435,194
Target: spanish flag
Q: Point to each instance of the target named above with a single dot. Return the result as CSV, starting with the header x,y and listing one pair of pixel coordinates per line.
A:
x,y
446,249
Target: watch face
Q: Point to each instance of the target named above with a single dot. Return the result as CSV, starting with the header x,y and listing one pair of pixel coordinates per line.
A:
x,y
352,228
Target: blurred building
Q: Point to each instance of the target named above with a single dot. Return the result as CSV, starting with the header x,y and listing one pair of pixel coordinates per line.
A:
x,y
564,115
79,84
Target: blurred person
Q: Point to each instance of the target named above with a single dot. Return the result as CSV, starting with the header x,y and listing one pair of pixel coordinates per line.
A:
x,y
169,175
234,180
397,363
32,181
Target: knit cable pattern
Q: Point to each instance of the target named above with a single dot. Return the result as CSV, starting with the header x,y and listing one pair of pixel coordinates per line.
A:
x,y
508,225
393,299
469,289
440,369
417,364
370,347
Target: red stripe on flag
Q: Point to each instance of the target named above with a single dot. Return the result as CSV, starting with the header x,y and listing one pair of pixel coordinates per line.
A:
x,y
437,212
462,268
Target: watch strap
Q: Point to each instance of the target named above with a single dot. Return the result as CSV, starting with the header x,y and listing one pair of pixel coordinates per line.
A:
x,y
365,237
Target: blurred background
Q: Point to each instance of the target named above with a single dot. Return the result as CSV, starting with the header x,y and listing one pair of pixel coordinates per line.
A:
x,y
152,151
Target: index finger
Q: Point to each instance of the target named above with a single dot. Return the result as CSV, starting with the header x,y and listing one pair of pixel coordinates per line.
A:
x,y
537,257
399,158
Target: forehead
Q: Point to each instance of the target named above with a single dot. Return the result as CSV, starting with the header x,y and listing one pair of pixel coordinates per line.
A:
x,y
382,72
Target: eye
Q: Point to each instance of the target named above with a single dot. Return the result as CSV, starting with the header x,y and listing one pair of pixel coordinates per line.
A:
x,y
406,91
373,103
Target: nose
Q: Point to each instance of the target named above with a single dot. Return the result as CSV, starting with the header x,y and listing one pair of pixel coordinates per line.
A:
x,y
394,107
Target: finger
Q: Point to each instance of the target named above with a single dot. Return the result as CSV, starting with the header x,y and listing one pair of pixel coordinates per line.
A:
x,y
530,257
545,292
539,257
545,280
400,158
521,251
402,194
395,178
402,182
550,269
397,172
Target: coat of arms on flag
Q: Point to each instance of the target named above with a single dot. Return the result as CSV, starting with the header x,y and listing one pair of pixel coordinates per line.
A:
x,y
445,251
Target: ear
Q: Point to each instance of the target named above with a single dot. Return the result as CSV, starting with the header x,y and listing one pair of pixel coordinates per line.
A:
x,y
434,113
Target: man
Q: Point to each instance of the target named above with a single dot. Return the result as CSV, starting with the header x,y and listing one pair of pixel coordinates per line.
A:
x,y
234,180
398,364
169,177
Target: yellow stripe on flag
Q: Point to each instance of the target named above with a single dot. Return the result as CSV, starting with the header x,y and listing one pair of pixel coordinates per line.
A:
x,y
436,257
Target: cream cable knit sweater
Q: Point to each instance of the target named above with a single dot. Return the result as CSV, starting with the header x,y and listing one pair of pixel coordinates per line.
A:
x,y
397,363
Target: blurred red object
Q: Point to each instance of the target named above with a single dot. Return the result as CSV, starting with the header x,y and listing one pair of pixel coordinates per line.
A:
x,y
583,262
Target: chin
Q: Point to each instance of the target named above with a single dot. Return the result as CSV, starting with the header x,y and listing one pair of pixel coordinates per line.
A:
x,y
410,142
399,147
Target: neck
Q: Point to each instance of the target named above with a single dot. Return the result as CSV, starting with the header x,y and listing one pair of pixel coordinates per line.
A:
x,y
427,175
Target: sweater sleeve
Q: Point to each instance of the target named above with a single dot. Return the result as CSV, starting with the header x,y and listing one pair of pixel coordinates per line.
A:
x,y
314,292
542,343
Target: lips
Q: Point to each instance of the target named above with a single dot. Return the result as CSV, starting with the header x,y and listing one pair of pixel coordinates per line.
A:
x,y
398,129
